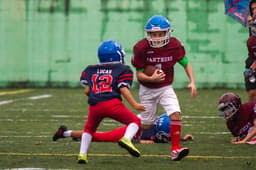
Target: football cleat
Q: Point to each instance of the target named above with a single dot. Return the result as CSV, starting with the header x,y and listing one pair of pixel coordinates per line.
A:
x,y
59,133
82,159
127,144
178,154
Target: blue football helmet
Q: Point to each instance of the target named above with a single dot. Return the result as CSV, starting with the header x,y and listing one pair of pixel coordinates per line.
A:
x,y
158,23
163,123
110,51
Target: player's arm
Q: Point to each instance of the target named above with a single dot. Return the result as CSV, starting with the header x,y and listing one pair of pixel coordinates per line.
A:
x,y
249,136
154,78
87,90
129,98
189,71
84,83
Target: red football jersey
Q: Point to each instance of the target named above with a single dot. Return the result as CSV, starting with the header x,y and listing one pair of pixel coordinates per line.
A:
x,y
240,125
251,45
165,58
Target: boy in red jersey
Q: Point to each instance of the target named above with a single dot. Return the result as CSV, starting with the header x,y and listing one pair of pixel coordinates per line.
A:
x,y
161,50
104,85
239,117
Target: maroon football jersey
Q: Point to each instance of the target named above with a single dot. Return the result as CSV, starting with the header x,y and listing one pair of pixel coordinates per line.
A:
x,y
240,125
251,45
165,58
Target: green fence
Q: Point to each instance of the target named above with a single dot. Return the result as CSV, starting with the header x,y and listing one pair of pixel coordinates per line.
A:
x,y
49,42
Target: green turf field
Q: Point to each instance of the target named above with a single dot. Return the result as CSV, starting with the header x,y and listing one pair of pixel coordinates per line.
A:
x,y
29,118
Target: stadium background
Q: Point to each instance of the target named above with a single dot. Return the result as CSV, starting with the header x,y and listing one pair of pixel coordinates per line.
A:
x,y
49,42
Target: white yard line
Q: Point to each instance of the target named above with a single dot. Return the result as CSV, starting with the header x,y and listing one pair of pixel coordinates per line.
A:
x,y
40,97
30,98
201,117
6,102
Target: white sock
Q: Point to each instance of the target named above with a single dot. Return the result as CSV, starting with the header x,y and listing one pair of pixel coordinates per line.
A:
x,y
131,130
67,133
85,142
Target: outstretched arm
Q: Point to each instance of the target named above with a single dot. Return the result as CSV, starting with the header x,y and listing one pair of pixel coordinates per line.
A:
x,y
249,136
192,84
128,96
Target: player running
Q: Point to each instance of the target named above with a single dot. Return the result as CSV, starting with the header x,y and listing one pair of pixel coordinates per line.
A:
x,y
161,50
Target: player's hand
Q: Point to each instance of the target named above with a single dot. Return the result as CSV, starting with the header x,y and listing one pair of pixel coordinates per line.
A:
x,y
188,137
87,90
249,19
239,142
139,107
192,86
235,139
158,76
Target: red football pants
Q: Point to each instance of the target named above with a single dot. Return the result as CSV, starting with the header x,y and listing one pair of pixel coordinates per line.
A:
x,y
114,109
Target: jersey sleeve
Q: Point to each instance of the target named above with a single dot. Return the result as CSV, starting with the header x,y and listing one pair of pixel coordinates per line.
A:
x,y
138,59
83,78
181,52
125,78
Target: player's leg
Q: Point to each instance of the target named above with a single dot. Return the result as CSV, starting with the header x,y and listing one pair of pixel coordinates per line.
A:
x,y
121,114
252,95
109,136
170,103
148,98
93,121
250,85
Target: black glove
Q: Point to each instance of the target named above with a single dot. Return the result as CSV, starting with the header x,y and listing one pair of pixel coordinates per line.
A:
x,y
250,75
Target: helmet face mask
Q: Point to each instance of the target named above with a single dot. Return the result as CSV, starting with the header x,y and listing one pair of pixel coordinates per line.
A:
x,y
227,111
158,39
157,31
110,52
229,104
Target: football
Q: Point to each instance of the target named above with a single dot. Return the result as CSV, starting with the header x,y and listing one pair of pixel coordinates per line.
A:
x,y
150,69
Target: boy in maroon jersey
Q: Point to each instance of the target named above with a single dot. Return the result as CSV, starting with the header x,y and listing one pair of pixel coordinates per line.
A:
x,y
239,117
161,50
104,85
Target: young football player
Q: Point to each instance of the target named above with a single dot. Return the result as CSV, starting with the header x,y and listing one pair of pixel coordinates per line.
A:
x,y
104,85
158,133
239,117
162,51
250,63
